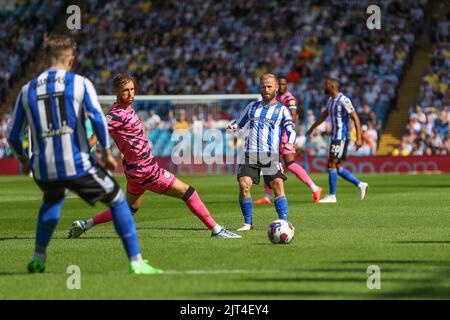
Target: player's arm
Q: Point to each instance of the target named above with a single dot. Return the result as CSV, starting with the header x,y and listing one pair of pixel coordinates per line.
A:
x,y
293,109
98,120
288,125
92,141
322,117
347,104
241,121
16,129
355,119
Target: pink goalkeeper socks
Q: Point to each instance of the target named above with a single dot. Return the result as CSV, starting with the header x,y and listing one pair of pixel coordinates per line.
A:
x,y
301,174
198,208
103,217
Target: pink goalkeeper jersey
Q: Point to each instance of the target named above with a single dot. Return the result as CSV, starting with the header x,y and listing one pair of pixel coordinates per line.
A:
x,y
127,131
288,100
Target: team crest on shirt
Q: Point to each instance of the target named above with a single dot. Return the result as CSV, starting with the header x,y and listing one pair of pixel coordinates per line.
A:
x,y
108,118
167,174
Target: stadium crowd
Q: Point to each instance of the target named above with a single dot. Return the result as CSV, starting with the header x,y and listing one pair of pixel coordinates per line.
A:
x,y
427,131
21,33
223,47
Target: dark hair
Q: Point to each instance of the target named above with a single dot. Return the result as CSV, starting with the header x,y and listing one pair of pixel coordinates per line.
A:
x,y
56,44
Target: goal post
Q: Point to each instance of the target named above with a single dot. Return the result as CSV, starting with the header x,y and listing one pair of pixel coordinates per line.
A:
x,y
196,111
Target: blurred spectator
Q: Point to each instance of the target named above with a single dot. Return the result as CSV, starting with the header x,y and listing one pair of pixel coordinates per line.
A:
x,y
152,121
181,123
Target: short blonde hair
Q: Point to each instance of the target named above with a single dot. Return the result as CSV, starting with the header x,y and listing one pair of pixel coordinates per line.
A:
x,y
268,75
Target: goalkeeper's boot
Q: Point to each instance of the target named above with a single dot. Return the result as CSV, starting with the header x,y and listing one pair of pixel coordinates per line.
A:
x,y
144,268
36,265
224,233
77,229
263,200
316,195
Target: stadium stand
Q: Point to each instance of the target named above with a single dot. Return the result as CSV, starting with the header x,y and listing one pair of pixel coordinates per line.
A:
x,y
427,131
21,34
200,47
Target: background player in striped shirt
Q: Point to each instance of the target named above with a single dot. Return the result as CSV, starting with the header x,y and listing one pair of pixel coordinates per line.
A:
x,y
140,167
54,105
263,123
340,110
287,99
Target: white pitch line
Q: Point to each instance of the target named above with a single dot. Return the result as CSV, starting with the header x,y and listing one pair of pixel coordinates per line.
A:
x,y
232,271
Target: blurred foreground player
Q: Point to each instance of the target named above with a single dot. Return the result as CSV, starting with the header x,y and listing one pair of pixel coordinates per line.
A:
x,y
141,169
54,105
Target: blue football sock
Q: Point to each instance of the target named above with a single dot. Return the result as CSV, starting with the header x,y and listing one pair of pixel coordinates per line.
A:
x,y
332,180
247,209
49,214
124,225
281,206
344,173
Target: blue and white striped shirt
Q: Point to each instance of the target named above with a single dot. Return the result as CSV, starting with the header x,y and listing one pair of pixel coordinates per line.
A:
x,y
54,106
265,126
339,109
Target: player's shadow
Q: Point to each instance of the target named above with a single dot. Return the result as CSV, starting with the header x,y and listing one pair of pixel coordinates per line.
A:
x,y
423,242
7,274
404,262
332,280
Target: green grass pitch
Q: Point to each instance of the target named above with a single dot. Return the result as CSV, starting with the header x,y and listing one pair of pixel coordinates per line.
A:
x,y
403,227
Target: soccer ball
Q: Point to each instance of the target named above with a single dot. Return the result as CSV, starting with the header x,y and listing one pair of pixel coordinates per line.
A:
x,y
281,231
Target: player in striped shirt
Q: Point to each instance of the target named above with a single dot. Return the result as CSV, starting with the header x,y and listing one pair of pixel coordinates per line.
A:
x,y
340,110
263,123
141,168
287,99
54,105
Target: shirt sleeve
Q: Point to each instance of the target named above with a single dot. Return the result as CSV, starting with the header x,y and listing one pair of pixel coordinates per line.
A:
x,y
17,126
114,121
288,125
347,105
243,119
95,113
292,103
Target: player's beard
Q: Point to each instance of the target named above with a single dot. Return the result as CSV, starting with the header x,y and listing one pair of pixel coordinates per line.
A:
x,y
268,96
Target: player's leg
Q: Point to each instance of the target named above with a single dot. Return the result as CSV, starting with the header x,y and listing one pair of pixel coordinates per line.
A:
x,y
179,189
98,185
135,194
267,198
49,213
302,175
347,175
245,201
276,181
335,154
